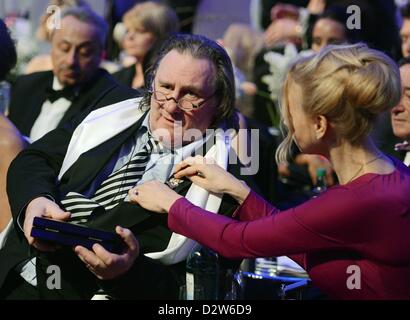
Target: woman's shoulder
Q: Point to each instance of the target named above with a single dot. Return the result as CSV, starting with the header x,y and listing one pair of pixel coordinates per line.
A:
x,y
374,185
390,188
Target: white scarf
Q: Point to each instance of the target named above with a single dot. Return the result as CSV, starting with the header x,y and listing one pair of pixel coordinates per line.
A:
x,y
104,123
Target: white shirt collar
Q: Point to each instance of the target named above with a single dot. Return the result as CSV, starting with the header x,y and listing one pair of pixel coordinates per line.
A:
x,y
56,84
406,160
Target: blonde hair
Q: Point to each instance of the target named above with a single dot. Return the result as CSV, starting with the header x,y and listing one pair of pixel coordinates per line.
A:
x,y
242,44
156,18
348,84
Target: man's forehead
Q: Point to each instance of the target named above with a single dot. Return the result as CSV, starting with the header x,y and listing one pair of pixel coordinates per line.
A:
x,y
186,57
72,28
176,66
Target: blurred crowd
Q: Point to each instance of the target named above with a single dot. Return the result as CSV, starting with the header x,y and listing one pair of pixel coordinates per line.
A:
x,y
277,33
129,36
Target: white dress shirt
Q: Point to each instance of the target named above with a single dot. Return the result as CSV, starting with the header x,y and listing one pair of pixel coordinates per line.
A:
x,y
50,115
407,159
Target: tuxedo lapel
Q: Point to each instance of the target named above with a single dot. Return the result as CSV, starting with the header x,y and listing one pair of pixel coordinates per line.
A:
x,y
89,94
90,163
79,103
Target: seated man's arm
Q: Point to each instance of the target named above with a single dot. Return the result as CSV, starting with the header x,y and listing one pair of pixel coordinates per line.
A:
x,y
33,173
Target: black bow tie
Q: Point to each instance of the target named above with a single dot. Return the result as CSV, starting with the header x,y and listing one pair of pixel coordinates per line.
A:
x,y
403,146
68,93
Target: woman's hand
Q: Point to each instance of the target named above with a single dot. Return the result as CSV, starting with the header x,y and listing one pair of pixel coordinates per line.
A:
x,y
106,265
153,196
282,30
208,175
42,207
283,10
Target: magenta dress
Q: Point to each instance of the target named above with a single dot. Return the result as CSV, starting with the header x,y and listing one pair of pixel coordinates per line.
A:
x,y
353,240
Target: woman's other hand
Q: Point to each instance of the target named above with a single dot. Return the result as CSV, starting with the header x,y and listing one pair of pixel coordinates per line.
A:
x,y
208,175
153,196
106,265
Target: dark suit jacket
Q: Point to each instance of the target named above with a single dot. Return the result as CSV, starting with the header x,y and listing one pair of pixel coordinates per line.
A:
x,y
29,93
38,167
16,249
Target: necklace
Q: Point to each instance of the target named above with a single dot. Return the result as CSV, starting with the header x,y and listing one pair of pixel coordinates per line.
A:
x,y
363,165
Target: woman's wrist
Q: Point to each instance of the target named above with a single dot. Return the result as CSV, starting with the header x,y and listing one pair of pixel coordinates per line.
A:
x,y
170,200
238,190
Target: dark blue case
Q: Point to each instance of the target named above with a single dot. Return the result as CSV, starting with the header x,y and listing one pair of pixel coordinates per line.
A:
x,y
70,234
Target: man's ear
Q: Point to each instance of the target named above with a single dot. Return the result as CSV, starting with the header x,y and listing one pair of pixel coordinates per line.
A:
x,y
321,125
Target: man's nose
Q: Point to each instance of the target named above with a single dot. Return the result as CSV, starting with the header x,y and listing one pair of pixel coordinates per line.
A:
x,y
71,57
406,50
324,43
398,109
171,106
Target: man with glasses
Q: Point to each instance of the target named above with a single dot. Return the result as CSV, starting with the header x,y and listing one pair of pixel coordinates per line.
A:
x,y
82,173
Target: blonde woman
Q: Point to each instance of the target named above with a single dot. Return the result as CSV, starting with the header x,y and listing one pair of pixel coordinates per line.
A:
x,y
330,101
147,25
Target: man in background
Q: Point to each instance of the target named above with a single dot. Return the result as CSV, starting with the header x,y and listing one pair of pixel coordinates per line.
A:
x,y
43,100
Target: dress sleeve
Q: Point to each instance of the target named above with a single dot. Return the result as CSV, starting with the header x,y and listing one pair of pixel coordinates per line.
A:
x,y
315,225
254,207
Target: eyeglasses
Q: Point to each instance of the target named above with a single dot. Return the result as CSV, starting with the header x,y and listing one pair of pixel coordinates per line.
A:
x,y
183,103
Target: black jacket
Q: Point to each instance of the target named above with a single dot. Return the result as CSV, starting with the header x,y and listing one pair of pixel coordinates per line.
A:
x,y
16,249
30,91
38,167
